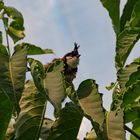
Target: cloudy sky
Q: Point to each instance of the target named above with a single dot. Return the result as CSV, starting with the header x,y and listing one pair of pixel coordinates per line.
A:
x,y
57,24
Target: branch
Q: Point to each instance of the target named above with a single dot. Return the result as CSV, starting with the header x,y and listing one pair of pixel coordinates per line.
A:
x,y
132,132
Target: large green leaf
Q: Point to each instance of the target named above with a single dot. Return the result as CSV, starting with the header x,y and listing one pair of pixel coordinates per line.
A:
x,y
33,49
128,37
127,11
131,94
6,110
125,42
55,83
113,8
90,101
66,127
115,125
12,74
33,106
136,129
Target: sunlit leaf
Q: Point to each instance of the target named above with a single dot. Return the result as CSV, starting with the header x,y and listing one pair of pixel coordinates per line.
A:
x,y
10,133
12,74
46,128
115,125
15,28
112,7
15,34
55,83
33,49
33,106
6,110
66,127
90,100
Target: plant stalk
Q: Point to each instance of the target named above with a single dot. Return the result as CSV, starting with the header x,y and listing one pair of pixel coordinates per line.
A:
x,y
132,132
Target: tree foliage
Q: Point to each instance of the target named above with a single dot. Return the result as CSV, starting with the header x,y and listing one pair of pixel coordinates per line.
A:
x,y
23,103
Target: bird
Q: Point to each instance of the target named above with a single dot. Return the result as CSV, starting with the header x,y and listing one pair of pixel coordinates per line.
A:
x,y
71,61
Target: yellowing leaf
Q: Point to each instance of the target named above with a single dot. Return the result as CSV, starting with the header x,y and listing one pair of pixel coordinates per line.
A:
x,y
115,125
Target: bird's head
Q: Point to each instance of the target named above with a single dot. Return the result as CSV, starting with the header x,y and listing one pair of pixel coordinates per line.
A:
x,y
72,58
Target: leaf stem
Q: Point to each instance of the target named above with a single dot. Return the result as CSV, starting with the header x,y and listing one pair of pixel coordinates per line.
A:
x,y
132,132
7,40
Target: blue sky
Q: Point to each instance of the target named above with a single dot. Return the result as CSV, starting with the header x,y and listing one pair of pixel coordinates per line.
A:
x,y
57,24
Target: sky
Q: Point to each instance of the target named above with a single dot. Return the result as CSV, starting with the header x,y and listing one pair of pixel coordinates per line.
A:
x,y
57,24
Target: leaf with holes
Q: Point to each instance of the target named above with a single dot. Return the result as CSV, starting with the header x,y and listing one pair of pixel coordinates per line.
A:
x,y
115,125
67,126
90,101
33,106
12,74
55,83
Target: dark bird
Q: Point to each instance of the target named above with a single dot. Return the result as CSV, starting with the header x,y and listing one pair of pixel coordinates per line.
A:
x,y
71,61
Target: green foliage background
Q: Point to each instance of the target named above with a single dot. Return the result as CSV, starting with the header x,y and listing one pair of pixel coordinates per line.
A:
x,y
23,103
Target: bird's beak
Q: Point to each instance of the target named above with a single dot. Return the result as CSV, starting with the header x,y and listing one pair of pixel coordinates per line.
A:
x,y
78,55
